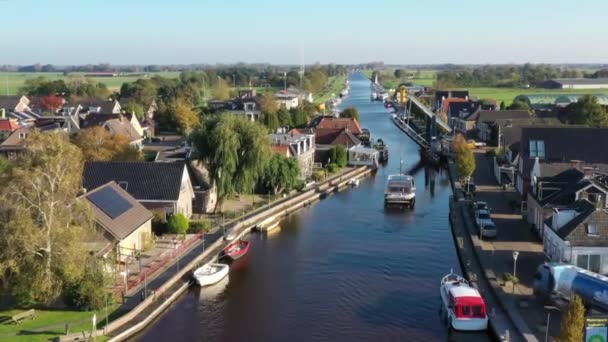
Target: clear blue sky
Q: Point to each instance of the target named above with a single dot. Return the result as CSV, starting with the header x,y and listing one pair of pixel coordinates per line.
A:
x,y
227,31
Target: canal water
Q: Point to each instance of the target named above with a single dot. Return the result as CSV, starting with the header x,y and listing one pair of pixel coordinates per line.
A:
x,y
343,269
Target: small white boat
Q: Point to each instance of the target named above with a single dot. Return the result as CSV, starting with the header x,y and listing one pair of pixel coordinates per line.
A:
x,y
353,182
210,274
229,234
212,291
462,306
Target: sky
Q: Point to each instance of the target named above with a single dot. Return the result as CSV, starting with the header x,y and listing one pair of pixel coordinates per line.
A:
x,y
66,32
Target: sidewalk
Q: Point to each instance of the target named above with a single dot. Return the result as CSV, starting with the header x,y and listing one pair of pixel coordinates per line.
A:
x,y
496,255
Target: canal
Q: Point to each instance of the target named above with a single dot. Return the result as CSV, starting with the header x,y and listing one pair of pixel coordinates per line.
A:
x,y
343,269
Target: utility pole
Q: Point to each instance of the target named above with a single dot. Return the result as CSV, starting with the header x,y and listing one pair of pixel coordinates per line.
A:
x,y
284,80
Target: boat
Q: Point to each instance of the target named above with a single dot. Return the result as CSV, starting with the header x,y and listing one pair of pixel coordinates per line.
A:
x,y
229,234
462,306
353,182
383,149
210,274
236,249
211,292
400,190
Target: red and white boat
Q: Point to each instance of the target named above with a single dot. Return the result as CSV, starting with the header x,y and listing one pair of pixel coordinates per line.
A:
x,y
462,307
237,249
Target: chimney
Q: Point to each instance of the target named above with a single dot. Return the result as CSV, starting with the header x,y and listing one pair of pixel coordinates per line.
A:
x,y
587,171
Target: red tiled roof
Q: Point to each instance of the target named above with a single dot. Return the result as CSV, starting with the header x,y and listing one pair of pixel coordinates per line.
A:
x,y
332,136
282,149
447,101
8,125
340,123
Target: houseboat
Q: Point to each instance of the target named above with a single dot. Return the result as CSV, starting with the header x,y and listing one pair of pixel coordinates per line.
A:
x,y
462,307
400,191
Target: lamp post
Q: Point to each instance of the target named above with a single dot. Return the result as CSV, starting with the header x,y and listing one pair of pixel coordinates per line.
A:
x,y
515,255
548,308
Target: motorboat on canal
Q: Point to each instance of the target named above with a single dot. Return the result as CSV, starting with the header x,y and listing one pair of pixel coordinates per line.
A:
x,y
236,249
211,273
462,307
400,190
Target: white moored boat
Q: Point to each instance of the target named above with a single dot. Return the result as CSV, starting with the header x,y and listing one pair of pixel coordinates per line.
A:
x,y
462,306
210,274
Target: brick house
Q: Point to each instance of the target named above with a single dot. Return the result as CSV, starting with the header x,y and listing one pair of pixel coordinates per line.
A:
x,y
579,235
298,145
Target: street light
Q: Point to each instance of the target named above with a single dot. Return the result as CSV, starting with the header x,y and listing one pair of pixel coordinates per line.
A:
x,y
515,255
548,308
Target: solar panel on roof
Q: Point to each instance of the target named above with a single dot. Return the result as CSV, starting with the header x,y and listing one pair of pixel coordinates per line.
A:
x,y
110,202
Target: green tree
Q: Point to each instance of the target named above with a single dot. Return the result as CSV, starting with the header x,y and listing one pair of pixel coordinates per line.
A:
x,y
587,111
235,152
221,89
503,106
135,108
270,120
42,221
350,112
573,321
519,105
465,160
284,118
341,156
178,224
299,117
281,173
85,294
400,73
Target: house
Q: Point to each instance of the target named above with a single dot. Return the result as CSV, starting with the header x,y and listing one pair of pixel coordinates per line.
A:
x,y
150,107
575,83
578,235
547,151
14,103
163,187
123,126
331,122
461,109
247,106
286,99
303,95
474,125
7,125
14,144
96,105
544,102
123,224
441,95
298,145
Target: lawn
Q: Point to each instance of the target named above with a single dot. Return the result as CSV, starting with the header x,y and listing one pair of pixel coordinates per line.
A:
x,y
334,86
49,324
10,82
508,94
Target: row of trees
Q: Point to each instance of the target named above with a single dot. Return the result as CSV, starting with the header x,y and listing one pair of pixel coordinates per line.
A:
x,y
502,75
75,85
587,111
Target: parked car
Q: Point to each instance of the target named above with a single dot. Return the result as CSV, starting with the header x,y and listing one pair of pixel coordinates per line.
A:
x,y
488,229
482,217
480,205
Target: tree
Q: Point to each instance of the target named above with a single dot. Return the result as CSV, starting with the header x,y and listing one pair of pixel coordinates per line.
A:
x,y
587,111
573,321
235,152
268,103
400,73
350,112
503,106
281,173
97,144
43,223
178,224
298,117
284,118
135,108
186,117
270,120
51,103
519,105
221,90
339,155
465,160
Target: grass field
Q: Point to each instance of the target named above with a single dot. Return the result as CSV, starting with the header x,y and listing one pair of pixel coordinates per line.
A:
x,y
334,87
10,82
49,324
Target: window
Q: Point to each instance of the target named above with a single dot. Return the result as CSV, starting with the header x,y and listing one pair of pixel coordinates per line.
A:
x,y
537,148
592,229
466,311
589,262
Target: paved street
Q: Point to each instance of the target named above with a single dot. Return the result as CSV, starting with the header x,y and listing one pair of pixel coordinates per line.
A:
x,y
514,234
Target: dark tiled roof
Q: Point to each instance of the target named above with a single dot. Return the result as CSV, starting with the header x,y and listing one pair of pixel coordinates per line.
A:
x,y
9,102
584,209
333,136
127,222
581,81
145,181
462,109
493,115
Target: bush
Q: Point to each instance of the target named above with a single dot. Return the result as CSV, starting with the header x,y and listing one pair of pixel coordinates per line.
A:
x,y
159,227
87,293
300,186
333,167
491,153
198,227
318,176
177,224
510,277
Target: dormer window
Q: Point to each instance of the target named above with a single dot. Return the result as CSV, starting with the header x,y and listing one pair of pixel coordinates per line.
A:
x,y
537,148
592,230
